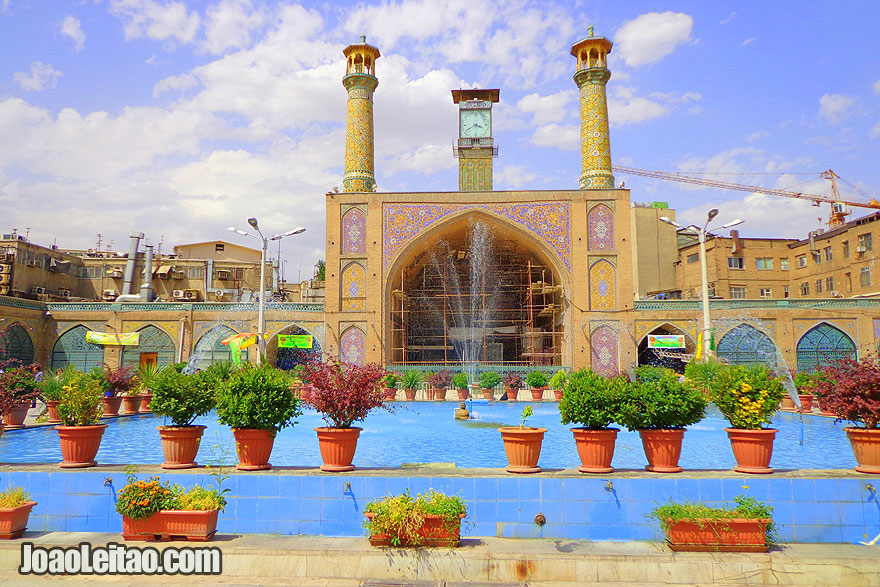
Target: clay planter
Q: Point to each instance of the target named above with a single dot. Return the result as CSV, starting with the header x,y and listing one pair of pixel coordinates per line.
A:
x,y
111,405
439,394
538,393
787,404
145,402
79,445
254,448
338,446
488,394
16,415
390,394
52,406
806,402
512,394
718,535
522,447
662,449
865,444
433,532
557,394
180,444
463,394
131,404
752,449
193,525
595,449
13,521
410,394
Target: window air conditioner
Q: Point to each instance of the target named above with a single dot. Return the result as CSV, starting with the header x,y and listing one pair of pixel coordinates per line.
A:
x,y
222,274
178,294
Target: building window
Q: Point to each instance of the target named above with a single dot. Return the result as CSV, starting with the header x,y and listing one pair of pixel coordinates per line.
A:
x,y
194,272
866,243
738,293
805,289
802,261
865,276
847,281
827,253
239,274
219,247
829,284
693,258
817,257
764,262
786,292
846,249
766,293
92,271
818,286
736,263
783,264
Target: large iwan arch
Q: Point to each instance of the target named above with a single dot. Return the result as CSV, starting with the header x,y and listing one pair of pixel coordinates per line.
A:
x,y
823,345
16,343
71,348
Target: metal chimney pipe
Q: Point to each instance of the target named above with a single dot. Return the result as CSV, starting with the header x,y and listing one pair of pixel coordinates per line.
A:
x,y
129,265
147,287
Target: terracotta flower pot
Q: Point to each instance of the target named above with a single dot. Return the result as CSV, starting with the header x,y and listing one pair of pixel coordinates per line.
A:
x,y
13,521
538,393
522,447
410,394
718,535
557,394
16,415
79,445
595,449
752,449
439,394
787,403
131,404
180,444
488,394
338,446
512,394
662,449
52,406
865,444
390,394
434,531
111,405
194,525
463,394
145,402
806,402
254,448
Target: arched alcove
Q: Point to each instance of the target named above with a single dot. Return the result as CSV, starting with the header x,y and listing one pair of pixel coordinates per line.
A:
x,y
16,343
823,345
210,348
745,344
649,356
287,358
154,347
71,348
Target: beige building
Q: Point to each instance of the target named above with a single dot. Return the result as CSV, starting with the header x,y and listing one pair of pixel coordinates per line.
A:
x,y
655,249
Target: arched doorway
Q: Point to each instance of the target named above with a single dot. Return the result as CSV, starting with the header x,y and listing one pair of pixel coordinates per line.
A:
x,y
15,343
210,348
745,344
154,347
287,358
475,291
71,348
649,356
823,345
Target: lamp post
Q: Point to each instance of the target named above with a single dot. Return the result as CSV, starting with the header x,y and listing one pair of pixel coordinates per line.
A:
x,y
261,302
704,270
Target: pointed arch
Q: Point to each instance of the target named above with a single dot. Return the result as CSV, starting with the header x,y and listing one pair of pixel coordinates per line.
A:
x,y
353,280
604,345
153,342
603,285
71,348
352,346
210,348
16,343
822,345
745,344
287,358
600,225
354,232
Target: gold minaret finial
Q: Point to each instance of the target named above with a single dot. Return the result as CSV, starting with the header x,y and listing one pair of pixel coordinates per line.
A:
x,y
360,81
591,76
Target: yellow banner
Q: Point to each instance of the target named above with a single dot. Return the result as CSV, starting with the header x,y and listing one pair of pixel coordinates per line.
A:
x,y
113,338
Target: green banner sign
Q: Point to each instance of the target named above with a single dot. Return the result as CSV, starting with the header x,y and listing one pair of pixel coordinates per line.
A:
x,y
294,341
665,341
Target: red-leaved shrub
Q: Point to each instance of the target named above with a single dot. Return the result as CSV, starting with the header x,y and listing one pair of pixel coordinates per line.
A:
x,y
343,392
119,379
851,390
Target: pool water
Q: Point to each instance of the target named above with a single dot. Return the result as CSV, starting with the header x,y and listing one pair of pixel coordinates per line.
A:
x,y
426,432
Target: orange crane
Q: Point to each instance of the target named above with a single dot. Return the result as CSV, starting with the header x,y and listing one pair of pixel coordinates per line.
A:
x,y
839,212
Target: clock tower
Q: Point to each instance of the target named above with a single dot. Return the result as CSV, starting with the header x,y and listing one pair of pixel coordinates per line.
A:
x,y
475,148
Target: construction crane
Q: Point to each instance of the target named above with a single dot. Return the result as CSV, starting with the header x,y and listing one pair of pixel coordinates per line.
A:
x,y
839,211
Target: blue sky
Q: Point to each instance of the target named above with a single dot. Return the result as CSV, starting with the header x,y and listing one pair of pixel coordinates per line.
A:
x,y
181,118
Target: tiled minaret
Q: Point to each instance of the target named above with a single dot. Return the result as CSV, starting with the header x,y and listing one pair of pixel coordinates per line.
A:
x,y
591,76
360,81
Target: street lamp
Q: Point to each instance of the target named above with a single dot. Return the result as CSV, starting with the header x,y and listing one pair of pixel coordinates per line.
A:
x,y
264,241
704,271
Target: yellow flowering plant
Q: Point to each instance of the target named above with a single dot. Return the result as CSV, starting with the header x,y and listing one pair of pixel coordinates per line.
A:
x,y
748,396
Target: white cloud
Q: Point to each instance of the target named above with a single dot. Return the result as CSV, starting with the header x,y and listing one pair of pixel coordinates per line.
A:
x,y
229,24
748,41
676,98
757,136
426,159
624,107
175,83
512,177
835,108
71,28
546,109
763,215
41,77
876,86
728,19
566,137
650,37
875,131
160,21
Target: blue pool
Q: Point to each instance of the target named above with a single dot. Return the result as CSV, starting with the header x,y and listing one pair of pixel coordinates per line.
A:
x,y
425,432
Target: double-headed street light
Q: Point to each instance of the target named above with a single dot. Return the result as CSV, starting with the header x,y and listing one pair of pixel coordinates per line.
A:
x,y
261,323
707,322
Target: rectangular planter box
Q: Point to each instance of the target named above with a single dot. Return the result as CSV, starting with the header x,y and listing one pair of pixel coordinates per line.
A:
x,y
13,521
722,535
433,533
195,526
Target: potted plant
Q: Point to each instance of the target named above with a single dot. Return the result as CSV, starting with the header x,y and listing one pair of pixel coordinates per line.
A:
x,y
488,381
182,398
15,507
851,391
116,382
18,390
132,398
748,396
440,381
151,509
557,383
659,407
390,386
593,402
695,527
803,382
512,383
537,381
51,388
522,445
80,409
401,520
145,376
411,381
344,393
256,402
460,383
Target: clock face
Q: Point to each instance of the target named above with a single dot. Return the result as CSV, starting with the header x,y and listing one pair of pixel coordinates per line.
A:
x,y
475,123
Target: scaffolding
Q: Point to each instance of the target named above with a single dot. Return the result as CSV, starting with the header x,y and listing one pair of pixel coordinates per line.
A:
x,y
513,307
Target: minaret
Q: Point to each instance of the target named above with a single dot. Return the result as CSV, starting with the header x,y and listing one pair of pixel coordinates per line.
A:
x,y
360,81
591,76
